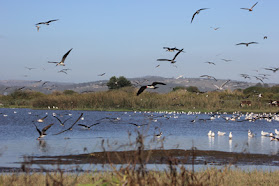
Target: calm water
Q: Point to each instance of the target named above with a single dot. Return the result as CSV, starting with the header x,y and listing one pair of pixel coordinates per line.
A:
x,y
18,134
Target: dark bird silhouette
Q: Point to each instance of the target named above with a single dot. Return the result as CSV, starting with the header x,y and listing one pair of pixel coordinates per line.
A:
x,y
88,127
137,125
71,127
153,86
274,69
102,74
47,22
247,43
211,63
215,28
197,12
245,76
61,123
168,49
20,88
30,68
43,132
173,59
259,78
265,37
250,9
63,59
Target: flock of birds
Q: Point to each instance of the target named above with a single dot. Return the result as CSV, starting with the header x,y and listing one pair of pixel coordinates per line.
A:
x,y
259,77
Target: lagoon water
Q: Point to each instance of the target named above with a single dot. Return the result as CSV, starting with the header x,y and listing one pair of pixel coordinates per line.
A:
x,y
18,134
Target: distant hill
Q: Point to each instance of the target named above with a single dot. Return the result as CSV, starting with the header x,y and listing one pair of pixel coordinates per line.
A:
x,y
8,86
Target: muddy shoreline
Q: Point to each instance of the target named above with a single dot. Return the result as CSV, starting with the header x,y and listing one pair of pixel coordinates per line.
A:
x,y
175,156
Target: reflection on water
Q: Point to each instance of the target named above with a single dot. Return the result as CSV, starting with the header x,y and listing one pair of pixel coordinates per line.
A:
x,y
18,134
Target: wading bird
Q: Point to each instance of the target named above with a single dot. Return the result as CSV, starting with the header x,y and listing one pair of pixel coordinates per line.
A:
x,y
43,132
63,59
152,86
197,12
71,127
247,43
173,59
250,9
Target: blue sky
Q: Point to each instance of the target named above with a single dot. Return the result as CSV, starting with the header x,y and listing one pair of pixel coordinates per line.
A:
x,y
127,37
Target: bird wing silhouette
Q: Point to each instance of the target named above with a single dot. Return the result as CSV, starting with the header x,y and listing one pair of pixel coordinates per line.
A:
x,y
141,90
65,55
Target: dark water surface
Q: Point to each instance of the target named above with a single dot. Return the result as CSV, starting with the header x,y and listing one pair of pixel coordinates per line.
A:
x,y
18,135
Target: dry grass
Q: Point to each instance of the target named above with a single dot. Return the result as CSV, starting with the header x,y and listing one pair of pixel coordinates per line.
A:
x,y
124,176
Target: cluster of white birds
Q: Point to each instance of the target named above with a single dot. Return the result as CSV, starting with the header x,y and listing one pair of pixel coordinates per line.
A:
x,y
212,134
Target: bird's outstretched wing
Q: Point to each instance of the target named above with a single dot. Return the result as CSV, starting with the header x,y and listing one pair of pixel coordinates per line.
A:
x,y
40,133
65,55
46,128
52,20
95,124
177,53
141,90
157,83
163,60
254,5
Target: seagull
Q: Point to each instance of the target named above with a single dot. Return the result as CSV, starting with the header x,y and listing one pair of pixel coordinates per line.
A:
x,y
197,12
157,66
42,119
171,60
42,133
30,68
221,87
209,133
250,134
88,127
71,127
245,76
209,77
264,133
61,123
62,60
247,43
47,22
153,86
230,135
221,133
62,71
250,9
211,63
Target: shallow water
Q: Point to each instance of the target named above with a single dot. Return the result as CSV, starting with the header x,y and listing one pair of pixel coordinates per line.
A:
x,y
18,134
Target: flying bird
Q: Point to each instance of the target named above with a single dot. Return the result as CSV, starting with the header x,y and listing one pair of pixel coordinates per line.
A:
x,y
88,127
102,74
245,76
215,28
197,12
250,9
71,127
211,63
43,132
63,59
226,60
47,22
221,87
247,43
274,69
168,49
61,123
173,59
137,125
153,86
42,119
209,77
265,37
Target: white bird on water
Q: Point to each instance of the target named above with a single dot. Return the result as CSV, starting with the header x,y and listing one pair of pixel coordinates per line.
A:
x,y
230,135
221,133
